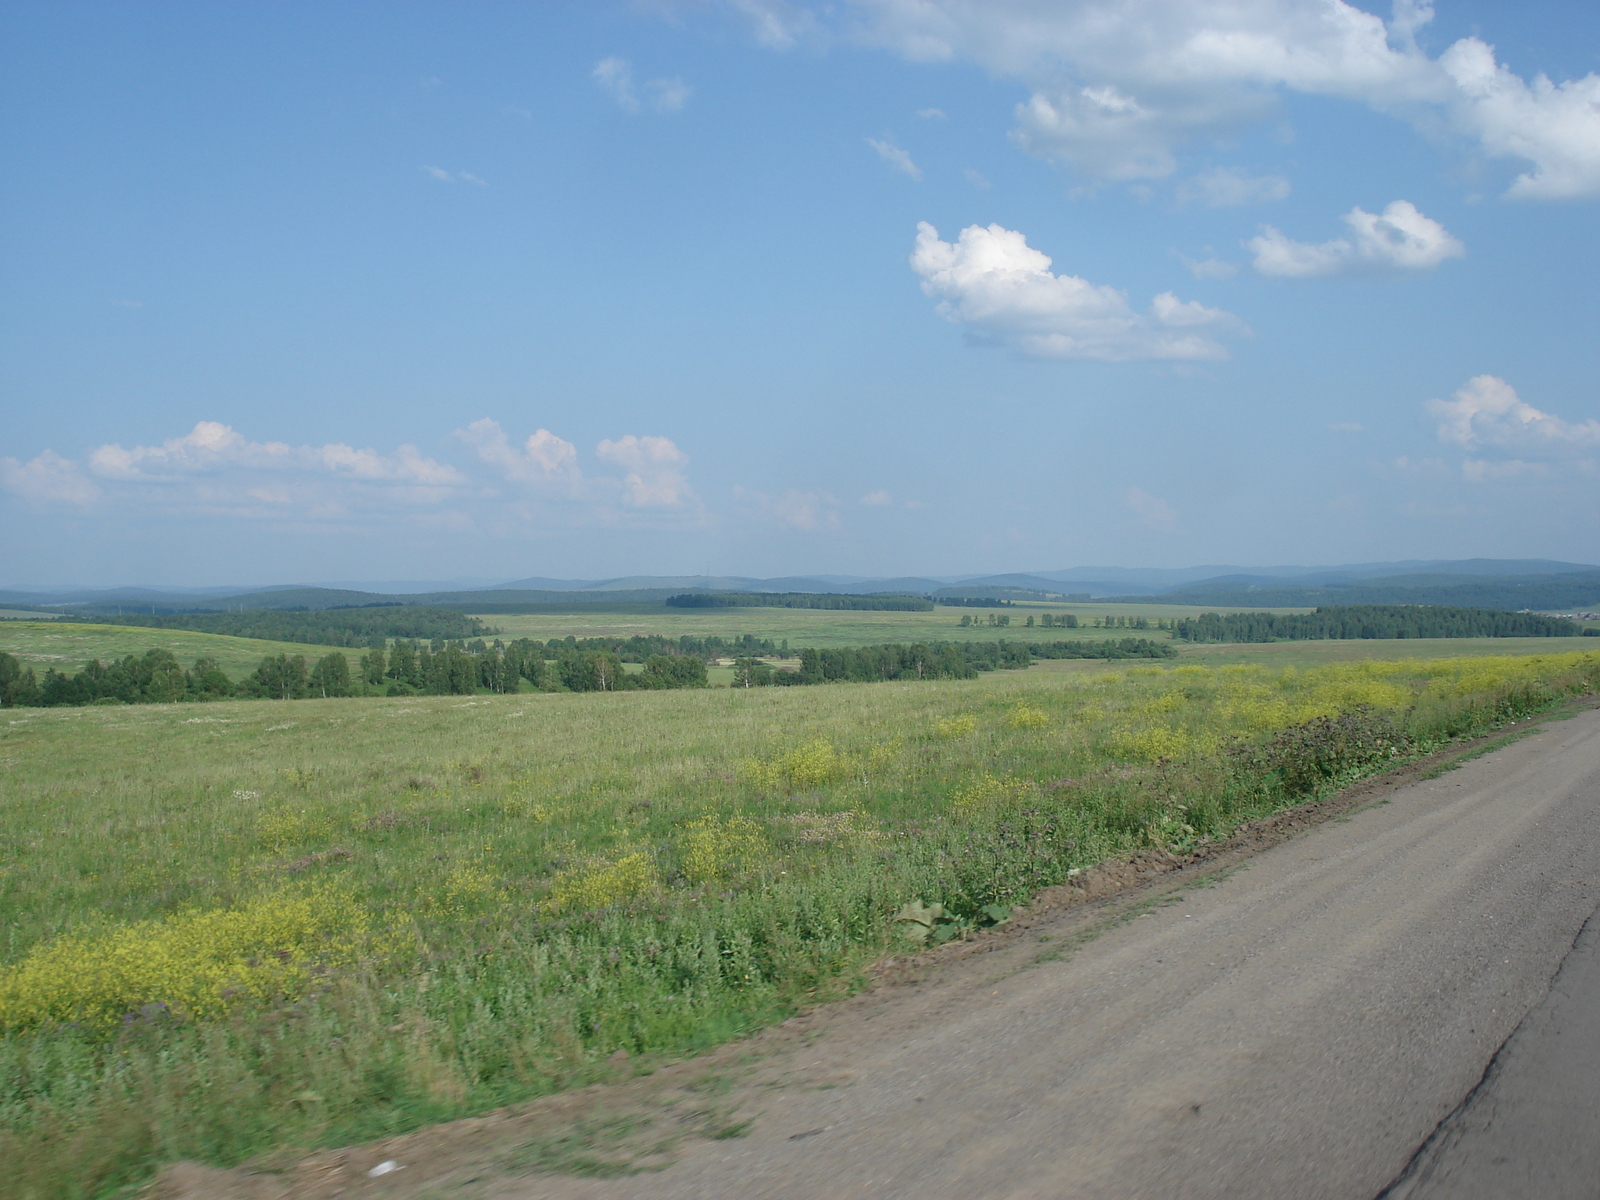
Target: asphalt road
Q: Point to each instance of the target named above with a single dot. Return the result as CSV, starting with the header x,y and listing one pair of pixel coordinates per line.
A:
x,y
1402,1003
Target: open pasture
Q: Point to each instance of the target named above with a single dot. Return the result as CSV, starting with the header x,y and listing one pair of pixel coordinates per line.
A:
x,y
805,627
247,925
68,645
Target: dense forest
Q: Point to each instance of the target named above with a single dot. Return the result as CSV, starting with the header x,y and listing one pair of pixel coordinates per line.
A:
x,y
800,600
1103,648
353,627
1372,621
937,660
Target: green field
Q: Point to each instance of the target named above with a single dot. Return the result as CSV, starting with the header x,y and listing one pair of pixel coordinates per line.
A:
x,y
67,646
244,926
1311,654
831,627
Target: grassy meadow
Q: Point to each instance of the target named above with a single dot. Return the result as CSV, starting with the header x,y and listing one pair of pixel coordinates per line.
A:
x,y
68,645
242,926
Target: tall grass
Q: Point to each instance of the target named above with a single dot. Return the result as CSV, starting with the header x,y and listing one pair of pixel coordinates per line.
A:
x,y
419,909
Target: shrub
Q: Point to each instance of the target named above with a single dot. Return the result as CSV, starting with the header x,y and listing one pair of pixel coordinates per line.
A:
x,y
194,964
1305,758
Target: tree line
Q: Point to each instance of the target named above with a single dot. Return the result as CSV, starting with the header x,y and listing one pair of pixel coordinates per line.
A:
x,y
935,660
459,668
825,600
1339,622
1068,621
351,627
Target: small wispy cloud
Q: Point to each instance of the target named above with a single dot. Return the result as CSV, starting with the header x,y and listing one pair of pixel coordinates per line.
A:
x,y
897,158
1152,510
615,76
128,303
807,511
1210,267
1223,187
931,114
668,95
975,178
877,499
443,176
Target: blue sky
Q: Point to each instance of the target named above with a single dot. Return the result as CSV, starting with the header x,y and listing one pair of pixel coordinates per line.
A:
x,y
304,291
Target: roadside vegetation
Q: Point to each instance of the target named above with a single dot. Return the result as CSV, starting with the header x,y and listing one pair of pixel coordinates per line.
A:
x,y
230,928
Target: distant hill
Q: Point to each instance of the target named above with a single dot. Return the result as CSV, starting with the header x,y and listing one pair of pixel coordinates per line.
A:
x,y
1541,593
1493,583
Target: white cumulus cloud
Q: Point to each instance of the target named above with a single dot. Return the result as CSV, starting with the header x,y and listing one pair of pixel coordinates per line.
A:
x,y
654,471
212,448
1003,291
1398,239
897,158
1488,412
543,460
1553,126
215,470
1116,89
48,479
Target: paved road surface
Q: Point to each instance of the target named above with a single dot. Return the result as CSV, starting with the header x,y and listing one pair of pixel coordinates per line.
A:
x,y
1299,1030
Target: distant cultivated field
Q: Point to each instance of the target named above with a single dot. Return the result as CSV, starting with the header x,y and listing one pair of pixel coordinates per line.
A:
x,y
832,627
67,646
1314,654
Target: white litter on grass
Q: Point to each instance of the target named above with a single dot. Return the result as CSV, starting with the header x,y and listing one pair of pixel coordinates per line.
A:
x,y
384,1168
275,728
